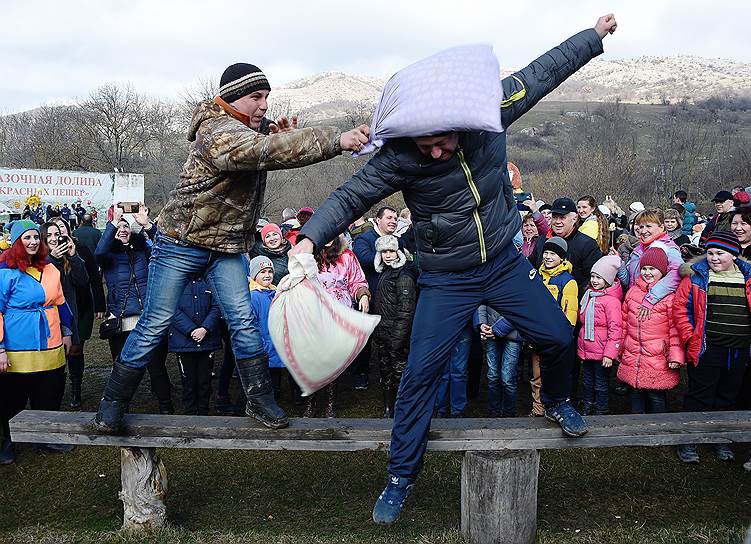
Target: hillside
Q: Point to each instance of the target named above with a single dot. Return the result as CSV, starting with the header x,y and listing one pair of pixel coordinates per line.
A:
x,y
650,80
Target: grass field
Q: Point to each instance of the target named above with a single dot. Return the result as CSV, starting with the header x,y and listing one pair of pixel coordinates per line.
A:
x,y
629,495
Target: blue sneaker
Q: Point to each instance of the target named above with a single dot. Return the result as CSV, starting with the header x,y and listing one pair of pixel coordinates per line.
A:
x,y
564,413
388,507
688,454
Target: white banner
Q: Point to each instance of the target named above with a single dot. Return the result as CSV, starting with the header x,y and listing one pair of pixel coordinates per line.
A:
x,y
58,187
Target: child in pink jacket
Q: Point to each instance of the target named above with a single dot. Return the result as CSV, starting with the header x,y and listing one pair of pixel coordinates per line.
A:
x,y
600,333
340,273
652,352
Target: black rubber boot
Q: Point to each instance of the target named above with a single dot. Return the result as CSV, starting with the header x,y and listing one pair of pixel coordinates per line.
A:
x,y
256,382
7,451
389,399
330,411
310,406
75,393
120,388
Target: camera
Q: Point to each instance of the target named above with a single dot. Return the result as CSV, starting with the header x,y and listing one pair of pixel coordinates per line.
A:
x,y
62,240
520,198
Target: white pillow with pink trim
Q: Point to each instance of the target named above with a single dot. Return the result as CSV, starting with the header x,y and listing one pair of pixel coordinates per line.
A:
x,y
316,336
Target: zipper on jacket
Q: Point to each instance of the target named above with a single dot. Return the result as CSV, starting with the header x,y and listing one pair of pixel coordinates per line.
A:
x,y
476,212
641,350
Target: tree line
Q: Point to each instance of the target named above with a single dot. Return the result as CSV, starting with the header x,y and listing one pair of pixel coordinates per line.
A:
x,y
605,149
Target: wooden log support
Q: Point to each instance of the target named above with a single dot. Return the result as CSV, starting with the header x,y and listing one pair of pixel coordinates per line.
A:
x,y
144,488
499,496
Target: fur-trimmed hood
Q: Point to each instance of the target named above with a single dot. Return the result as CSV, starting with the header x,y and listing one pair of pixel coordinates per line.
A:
x,y
688,269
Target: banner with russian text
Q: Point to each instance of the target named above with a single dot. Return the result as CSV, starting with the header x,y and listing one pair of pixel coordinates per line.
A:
x,y
58,187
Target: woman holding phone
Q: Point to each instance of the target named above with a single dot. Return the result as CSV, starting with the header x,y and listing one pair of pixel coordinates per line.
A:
x,y
90,303
124,256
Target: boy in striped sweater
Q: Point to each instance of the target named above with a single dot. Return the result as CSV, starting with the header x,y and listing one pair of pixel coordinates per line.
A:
x,y
713,317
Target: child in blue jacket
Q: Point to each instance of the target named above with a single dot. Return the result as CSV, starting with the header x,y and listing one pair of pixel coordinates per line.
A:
x,y
194,335
262,292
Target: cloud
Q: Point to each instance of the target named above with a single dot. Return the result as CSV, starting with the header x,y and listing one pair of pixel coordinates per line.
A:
x,y
55,51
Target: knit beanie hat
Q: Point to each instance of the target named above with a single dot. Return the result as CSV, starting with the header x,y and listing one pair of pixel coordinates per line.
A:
x,y
19,227
656,258
725,240
607,268
240,80
741,198
670,213
557,245
259,263
270,227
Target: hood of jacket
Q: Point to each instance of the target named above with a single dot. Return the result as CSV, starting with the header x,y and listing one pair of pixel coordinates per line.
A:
x,y
255,286
548,273
615,290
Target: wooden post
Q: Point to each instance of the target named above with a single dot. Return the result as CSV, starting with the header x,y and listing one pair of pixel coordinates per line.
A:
x,y
499,496
144,488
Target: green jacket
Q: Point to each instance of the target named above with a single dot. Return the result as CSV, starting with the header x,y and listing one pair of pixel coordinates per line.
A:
x,y
218,199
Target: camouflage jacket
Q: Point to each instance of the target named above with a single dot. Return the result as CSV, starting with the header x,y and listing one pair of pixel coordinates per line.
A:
x,y
218,199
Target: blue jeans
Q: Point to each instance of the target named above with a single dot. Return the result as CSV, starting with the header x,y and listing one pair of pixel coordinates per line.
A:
x,y
509,285
454,380
595,384
172,265
648,401
503,367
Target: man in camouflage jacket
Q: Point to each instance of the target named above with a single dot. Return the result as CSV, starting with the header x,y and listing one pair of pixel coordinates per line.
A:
x,y
208,222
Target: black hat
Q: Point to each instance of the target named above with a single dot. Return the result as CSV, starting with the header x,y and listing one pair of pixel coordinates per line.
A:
x,y
545,207
240,80
563,206
722,196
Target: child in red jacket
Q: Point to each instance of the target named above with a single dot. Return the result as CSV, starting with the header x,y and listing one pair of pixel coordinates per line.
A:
x,y
652,351
600,334
713,316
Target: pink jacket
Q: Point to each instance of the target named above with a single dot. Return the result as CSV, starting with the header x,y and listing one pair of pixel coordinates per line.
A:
x,y
649,345
345,281
608,329
528,246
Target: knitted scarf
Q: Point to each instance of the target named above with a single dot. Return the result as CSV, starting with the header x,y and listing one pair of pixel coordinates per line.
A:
x,y
589,313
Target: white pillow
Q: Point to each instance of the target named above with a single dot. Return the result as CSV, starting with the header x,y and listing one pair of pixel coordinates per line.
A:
x,y
458,89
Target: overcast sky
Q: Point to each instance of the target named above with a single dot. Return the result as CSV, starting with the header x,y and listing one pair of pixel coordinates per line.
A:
x,y
60,50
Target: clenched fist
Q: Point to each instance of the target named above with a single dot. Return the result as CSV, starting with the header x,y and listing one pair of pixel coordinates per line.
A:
x,y
355,139
605,25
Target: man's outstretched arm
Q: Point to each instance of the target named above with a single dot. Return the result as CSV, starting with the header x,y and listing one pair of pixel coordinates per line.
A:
x,y
523,89
371,184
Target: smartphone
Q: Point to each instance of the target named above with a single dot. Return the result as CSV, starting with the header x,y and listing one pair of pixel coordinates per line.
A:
x,y
520,198
62,240
128,207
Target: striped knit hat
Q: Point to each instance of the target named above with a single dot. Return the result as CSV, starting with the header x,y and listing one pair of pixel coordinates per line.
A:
x,y
240,80
725,240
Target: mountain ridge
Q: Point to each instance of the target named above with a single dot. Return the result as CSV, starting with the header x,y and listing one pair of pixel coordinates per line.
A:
x,y
645,79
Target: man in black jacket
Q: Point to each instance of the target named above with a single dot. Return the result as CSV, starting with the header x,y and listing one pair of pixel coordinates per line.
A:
x,y
464,214
583,251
